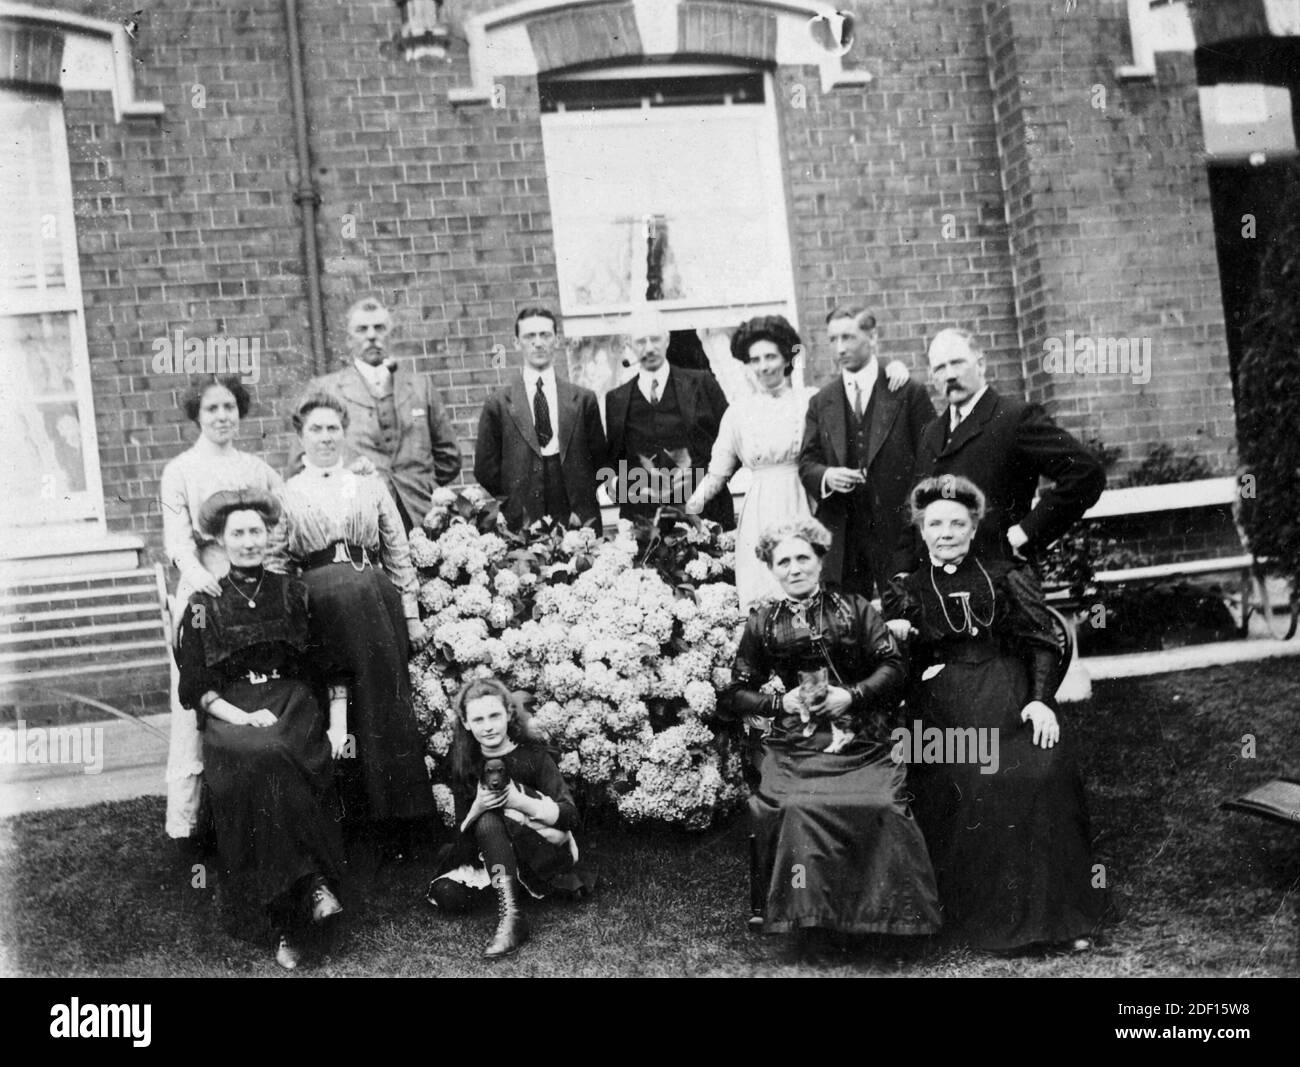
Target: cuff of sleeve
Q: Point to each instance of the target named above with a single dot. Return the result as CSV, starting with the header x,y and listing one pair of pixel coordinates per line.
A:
x,y
825,492
410,606
1029,528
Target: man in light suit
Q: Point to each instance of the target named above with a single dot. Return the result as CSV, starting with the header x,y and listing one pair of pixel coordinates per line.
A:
x,y
859,447
395,420
664,421
540,440
1003,445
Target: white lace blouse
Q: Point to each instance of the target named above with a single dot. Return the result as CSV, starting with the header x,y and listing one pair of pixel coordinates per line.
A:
x,y
325,505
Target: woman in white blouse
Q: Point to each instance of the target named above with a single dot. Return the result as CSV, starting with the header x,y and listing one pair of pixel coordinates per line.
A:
x,y
343,530
216,405
764,432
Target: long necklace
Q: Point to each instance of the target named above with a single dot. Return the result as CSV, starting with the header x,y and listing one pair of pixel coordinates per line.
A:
x,y
970,623
799,609
251,602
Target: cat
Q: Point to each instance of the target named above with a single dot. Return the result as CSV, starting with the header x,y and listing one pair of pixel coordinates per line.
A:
x,y
813,688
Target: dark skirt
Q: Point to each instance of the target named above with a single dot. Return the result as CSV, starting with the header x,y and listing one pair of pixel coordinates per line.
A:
x,y
1011,849
272,801
837,846
358,626
545,867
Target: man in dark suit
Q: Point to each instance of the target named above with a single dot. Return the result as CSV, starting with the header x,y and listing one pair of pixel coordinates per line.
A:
x,y
1004,446
540,441
396,421
661,426
859,447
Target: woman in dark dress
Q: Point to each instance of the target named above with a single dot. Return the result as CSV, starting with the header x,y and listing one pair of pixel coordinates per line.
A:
x,y
216,405
1011,848
515,817
267,750
343,530
836,846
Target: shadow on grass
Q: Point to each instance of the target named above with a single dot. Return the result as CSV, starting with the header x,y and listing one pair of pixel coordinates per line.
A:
x,y
1196,891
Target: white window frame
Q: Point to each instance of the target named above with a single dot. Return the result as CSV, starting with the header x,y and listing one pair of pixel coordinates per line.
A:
x,y
85,508
1155,26
603,320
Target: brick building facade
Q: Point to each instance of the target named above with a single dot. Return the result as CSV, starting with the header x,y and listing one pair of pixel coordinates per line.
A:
x,y
991,163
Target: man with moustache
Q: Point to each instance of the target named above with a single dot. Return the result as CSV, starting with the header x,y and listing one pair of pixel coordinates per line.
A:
x,y
540,440
1004,446
860,443
397,422
664,421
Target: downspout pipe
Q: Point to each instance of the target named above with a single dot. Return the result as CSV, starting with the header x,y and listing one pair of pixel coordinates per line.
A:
x,y
306,195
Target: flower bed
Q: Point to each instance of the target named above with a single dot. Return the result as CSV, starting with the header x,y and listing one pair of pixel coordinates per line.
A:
x,y
623,641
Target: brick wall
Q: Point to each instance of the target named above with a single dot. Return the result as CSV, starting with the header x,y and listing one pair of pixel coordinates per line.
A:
x,y
186,224
895,187
1112,233
449,209
895,192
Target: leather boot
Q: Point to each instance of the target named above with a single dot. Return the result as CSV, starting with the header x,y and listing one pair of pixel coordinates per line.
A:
x,y
512,926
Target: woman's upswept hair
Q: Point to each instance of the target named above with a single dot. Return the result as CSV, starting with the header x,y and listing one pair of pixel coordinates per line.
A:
x,y
947,487
193,399
772,328
466,755
320,399
809,530
219,506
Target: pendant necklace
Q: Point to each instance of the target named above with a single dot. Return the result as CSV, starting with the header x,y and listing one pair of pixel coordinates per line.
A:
x,y
970,624
249,599
799,609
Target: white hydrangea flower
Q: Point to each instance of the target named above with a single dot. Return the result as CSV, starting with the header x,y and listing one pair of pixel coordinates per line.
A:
x,y
473,600
493,547
506,583
439,742
701,697
501,613
446,804
435,595
424,552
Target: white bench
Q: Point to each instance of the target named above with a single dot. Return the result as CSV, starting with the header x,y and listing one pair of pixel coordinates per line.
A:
x,y
1178,496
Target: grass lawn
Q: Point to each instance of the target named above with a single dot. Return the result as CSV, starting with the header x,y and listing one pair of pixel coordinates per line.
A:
x,y
1196,891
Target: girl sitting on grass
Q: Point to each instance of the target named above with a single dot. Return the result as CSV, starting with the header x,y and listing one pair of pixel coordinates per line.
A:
x,y
514,818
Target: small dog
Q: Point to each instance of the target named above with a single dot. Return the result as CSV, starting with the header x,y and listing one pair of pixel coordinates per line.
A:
x,y
813,688
496,777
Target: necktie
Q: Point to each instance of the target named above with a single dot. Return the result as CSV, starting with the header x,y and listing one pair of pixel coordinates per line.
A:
x,y
857,399
654,391
541,416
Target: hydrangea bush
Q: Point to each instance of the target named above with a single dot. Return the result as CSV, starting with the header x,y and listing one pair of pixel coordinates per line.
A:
x,y
622,640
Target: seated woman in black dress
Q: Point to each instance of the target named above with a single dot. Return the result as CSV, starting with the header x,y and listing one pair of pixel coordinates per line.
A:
x,y
515,818
836,846
267,750
1010,848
